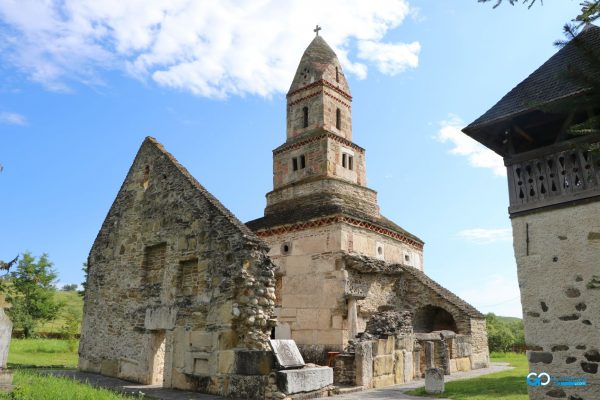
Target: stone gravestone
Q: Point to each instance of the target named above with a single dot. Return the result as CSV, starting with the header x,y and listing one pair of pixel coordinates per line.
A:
x,y
5,334
295,376
434,380
287,353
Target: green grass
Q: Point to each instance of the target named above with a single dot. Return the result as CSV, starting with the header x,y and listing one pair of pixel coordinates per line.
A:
x,y
42,353
505,385
32,386
73,304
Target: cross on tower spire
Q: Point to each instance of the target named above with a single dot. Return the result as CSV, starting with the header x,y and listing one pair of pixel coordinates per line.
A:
x,y
317,29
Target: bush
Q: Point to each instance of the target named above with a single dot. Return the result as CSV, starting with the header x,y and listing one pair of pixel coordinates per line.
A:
x,y
503,335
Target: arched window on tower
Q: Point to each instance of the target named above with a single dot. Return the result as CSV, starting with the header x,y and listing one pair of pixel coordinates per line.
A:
x,y
305,117
338,119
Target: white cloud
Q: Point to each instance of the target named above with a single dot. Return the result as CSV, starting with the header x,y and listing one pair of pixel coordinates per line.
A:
x,y
12,118
210,48
498,294
477,155
391,59
486,236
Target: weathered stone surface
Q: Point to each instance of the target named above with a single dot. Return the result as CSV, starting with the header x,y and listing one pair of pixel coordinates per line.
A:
x,y
408,366
383,365
287,353
304,379
5,336
398,367
434,380
175,283
539,357
383,381
253,362
389,323
364,364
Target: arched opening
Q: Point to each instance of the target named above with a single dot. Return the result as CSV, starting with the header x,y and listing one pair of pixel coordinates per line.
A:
x,y
338,119
305,117
431,318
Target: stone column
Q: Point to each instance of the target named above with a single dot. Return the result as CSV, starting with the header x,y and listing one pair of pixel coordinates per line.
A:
x,y
364,364
352,318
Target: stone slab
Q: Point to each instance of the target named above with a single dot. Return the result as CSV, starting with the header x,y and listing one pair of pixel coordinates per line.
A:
x,y
253,362
304,380
287,353
5,335
434,380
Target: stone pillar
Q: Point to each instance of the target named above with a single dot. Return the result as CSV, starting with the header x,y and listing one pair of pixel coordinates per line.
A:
x,y
352,318
364,364
429,355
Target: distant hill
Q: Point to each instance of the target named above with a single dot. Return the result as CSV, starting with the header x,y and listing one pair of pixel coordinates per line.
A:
x,y
508,320
73,304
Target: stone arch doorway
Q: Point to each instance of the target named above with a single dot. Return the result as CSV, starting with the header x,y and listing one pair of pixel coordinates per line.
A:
x,y
432,318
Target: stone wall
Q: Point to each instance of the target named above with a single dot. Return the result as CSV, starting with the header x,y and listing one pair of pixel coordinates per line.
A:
x,y
178,290
557,253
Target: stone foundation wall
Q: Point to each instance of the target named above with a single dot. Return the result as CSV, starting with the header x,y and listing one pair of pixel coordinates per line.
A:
x,y
557,253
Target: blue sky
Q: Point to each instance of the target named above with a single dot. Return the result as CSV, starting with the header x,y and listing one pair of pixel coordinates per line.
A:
x,y
83,82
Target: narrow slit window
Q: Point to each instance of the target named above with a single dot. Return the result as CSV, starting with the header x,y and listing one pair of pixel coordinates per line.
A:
x,y
337,74
302,162
344,156
338,119
350,163
305,117
295,164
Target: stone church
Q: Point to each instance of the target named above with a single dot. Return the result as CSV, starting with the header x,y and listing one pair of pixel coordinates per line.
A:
x,y
181,293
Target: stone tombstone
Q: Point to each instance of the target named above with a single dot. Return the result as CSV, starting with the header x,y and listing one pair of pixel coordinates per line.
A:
x,y
287,353
434,380
5,335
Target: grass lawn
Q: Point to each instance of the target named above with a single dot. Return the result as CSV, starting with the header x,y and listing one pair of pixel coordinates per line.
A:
x,y
505,385
42,353
32,386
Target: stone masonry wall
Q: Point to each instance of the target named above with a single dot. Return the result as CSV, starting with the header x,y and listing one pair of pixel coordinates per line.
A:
x,y
176,285
557,253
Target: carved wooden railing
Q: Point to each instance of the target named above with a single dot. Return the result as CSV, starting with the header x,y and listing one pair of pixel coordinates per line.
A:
x,y
552,175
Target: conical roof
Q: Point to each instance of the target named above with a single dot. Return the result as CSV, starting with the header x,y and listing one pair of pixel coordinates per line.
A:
x,y
319,62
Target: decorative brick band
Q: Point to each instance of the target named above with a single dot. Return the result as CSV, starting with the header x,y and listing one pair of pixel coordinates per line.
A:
x,y
323,83
300,226
301,99
337,99
312,139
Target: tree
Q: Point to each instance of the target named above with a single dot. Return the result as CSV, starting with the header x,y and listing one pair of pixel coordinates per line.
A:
x,y
590,12
84,283
69,288
32,293
502,336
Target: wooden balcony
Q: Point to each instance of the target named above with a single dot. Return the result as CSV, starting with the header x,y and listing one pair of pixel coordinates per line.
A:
x,y
561,174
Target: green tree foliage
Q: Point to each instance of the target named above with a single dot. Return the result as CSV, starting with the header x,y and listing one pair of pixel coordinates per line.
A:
x,y
504,335
32,293
84,268
69,288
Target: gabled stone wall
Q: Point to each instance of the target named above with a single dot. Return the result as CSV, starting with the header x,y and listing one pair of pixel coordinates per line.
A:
x,y
177,287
